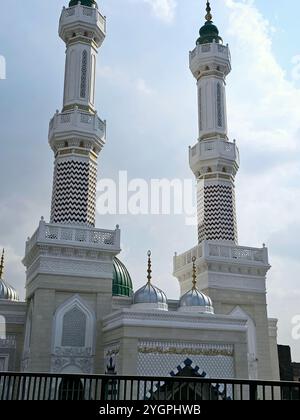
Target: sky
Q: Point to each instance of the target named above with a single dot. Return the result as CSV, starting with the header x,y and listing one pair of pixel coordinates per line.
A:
x,y
148,96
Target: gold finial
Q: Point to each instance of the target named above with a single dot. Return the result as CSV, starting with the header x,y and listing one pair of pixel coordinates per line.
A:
x,y
208,16
149,271
194,273
2,264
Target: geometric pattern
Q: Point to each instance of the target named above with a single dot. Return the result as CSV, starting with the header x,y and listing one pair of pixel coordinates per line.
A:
x,y
74,328
74,192
217,213
165,364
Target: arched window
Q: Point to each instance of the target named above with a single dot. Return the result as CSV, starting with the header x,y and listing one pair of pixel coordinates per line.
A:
x,y
219,105
74,328
83,82
74,325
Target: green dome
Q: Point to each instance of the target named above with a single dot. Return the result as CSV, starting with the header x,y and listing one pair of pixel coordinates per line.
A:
x,y
209,33
88,3
122,283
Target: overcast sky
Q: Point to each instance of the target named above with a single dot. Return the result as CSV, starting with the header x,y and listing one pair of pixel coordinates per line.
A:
x,y
147,94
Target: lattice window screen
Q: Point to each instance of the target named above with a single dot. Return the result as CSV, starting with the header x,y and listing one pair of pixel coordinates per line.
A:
x,y
219,105
83,82
74,328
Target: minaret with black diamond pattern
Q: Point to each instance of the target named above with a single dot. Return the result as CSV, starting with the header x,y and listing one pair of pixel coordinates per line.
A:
x,y
77,134
214,159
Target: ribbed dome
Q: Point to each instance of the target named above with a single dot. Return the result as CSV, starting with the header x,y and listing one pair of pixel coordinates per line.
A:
x,y
88,3
196,301
122,283
7,292
149,296
209,33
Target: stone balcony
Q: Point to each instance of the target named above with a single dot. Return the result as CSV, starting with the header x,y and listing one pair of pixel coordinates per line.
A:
x,y
84,19
76,124
227,253
206,54
70,250
206,151
74,236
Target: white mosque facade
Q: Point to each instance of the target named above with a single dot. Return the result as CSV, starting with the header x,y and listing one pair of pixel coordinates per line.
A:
x,y
81,314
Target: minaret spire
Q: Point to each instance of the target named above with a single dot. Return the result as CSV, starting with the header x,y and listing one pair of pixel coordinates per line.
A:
x,y
149,271
2,264
208,16
194,275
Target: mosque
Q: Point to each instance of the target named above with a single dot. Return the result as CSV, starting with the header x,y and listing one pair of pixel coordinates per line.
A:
x,y
81,314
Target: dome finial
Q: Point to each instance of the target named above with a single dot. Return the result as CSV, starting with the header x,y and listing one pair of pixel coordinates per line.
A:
x,y
149,271
209,32
2,264
208,16
194,274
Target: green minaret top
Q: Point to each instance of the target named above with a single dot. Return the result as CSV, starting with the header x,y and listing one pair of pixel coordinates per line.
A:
x,y
209,32
88,3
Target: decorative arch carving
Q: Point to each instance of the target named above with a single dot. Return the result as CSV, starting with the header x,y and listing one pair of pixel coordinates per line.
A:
x,y
71,311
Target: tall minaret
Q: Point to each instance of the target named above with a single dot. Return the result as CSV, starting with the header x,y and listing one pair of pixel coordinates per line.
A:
x,y
233,276
214,160
69,262
77,135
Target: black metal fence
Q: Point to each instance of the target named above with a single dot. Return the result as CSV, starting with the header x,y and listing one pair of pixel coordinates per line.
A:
x,y
27,386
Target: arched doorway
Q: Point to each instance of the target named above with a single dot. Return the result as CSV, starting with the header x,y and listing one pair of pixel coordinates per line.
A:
x,y
71,389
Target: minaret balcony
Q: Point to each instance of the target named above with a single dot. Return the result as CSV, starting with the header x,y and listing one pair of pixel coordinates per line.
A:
x,y
76,236
71,250
222,252
205,152
80,20
76,124
213,57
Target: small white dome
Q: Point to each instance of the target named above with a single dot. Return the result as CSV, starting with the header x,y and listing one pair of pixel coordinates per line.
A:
x,y
149,296
194,300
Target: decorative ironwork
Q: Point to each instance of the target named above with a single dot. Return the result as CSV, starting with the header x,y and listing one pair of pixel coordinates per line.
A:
x,y
38,386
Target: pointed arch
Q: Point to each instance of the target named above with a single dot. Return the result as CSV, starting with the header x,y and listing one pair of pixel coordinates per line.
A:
x,y
251,340
74,325
28,327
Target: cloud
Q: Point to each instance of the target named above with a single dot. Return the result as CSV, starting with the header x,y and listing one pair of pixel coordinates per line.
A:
x,y
125,80
265,119
163,9
142,87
